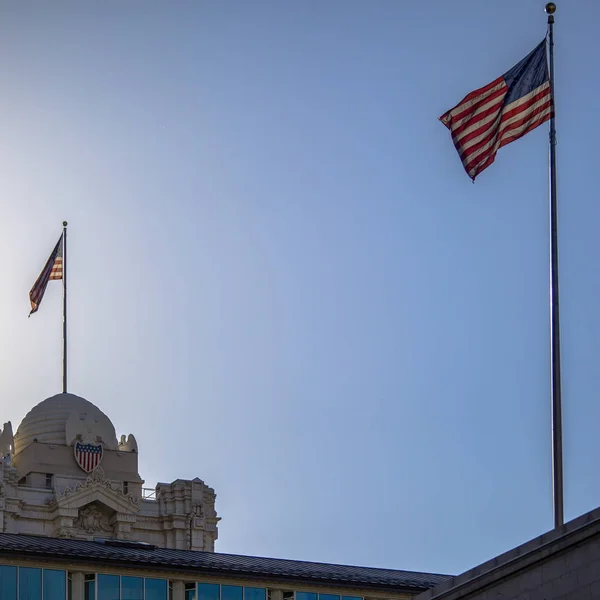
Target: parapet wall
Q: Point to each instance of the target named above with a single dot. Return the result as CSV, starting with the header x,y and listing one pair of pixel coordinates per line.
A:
x,y
561,564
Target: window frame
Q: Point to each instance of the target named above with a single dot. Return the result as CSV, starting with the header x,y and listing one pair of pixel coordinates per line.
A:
x,y
319,594
244,587
42,570
142,577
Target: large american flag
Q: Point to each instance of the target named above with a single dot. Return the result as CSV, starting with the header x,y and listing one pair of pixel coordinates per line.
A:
x,y
88,456
52,270
501,112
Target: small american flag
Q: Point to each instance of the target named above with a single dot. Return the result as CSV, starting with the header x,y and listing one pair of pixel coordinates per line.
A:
x,y
88,456
52,270
501,112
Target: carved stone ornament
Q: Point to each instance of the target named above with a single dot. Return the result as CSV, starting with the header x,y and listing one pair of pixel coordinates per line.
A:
x,y
96,479
64,533
7,440
91,519
98,475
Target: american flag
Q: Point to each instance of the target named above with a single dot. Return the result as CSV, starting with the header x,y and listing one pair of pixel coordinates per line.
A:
x,y
52,270
501,112
88,456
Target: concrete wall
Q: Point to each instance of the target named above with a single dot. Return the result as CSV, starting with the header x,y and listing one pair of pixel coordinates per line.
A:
x,y
563,564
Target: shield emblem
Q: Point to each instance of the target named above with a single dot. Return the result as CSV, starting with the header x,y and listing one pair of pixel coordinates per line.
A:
x,y
88,456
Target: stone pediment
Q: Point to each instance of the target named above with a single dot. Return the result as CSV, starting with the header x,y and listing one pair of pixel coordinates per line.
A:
x,y
96,488
93,507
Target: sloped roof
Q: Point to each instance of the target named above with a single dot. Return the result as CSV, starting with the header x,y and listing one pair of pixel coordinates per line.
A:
x,y
213,563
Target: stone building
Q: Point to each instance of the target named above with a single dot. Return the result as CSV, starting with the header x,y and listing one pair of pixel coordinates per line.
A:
x,y
64,474
76,523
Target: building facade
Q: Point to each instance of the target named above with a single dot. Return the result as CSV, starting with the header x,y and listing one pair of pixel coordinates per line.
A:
x,y
76,523
64,474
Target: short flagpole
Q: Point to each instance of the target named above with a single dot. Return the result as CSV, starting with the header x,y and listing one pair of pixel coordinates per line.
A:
x,y
557,449
64,277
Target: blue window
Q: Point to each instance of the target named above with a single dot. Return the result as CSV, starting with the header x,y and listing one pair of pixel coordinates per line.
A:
x,y
55,584
132,588
208,591
109,587
232,592
115,587
313,596
255,594
252,593
30,583
8,583
214,591
156,589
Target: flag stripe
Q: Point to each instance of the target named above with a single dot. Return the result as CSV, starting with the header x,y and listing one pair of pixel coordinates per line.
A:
x,y
57,269
513,134
509,114
501,112
516,122
513,108
531,101
53,270
480,120
470,100
490,106
483,143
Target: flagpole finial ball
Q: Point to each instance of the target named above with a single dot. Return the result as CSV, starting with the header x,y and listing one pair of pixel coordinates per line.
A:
x,y
550,8
65,223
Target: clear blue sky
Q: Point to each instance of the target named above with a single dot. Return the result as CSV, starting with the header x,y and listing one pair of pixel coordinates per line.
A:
x,y
282,281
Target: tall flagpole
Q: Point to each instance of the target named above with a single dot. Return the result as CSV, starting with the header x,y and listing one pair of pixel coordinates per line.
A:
x,y
64,277
557,449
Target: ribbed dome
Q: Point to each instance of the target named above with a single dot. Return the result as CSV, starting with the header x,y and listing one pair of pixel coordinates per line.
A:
x,y
47,422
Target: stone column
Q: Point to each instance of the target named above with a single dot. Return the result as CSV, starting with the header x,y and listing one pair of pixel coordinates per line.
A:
x,y
78,585
178,590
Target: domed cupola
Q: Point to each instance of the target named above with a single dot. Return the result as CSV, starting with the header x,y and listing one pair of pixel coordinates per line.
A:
x,y
59,419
